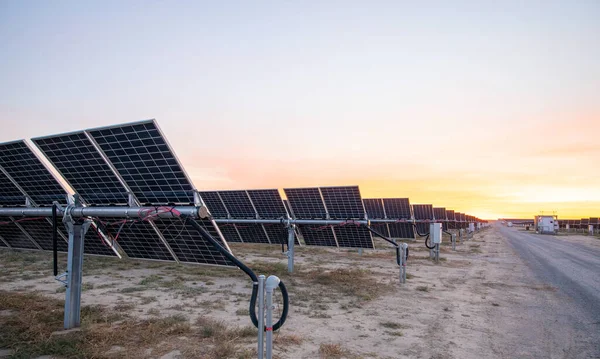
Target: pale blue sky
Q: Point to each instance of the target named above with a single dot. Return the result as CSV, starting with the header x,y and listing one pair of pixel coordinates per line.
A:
x,y
399,89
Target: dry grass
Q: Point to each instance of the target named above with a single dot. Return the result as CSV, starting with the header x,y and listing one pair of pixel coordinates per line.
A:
x,y
333,351
29,321
351,282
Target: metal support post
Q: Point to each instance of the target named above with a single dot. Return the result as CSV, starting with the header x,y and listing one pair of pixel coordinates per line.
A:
x,y
291,243
453,236
403,260
271,284
261,316
437,252
74,272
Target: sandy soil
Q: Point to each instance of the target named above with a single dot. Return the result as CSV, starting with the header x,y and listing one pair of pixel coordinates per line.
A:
x,y
463,307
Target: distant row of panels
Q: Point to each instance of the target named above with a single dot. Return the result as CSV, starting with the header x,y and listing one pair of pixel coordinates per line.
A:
x,y
133,164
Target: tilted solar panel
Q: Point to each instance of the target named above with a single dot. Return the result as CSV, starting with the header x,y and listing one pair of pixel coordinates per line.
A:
x,y
238,204
439,213
14,236
230,233
343,202
306,203
144,160
374,208
82,166
20,163
585,221
423,211
381,228
10,195
41,232
451,219
268,203
401,230
315,235
286,204
278,234
137,239
594,221
93,243
252,233
353,236
213,202
397,208
188,245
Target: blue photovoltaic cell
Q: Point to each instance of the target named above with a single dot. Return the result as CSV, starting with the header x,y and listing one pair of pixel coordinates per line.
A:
x,y
10,195
306,203
215,205
343,202
30,174
315,235
238,204
268,203
397,208
78,161
401,230
143,158
374,208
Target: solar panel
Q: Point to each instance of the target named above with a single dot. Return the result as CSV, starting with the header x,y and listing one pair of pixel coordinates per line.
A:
x,y
252,233
188,245
230,233
343,202
353,236
238,204
3,243
286,204
78,162
594,221
451,219
585,221
374,208
41,232
401,230
397,208
278,234
14,236
423,211
20,163
138,239
10,195
213,202
315,235
439,213
144,160
306,203
268,203
93,243
381,228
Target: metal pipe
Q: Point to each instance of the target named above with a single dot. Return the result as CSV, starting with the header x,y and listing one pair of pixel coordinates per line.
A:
x,y
270,285
261,316
72,316
125,212
290,253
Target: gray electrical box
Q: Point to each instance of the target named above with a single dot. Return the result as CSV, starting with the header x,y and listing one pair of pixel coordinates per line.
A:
x,y
435,230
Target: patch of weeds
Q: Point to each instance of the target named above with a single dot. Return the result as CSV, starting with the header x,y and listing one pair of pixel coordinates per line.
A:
x,y
61,289
124,307
87,286
352,282
332,351
132,289
422,288
242,312
410,276
288,339
153,311
495,304
150,280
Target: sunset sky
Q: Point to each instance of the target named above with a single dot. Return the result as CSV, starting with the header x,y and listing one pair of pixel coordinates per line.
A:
x,y
486,107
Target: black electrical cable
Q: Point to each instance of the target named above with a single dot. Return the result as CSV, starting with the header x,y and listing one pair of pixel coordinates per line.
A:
x,y
428,247
55,239
284,293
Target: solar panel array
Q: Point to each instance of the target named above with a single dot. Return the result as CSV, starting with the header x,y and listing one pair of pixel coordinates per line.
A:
x,y
342,202
23,166
374,208
10,195
249,204
84,169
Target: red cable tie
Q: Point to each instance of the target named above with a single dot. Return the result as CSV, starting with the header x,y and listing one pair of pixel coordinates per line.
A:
x,y
269,329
